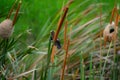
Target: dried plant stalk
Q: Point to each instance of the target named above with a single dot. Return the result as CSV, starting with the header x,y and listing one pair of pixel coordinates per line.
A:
x,y
62,19
65,34
113,14
60,25
115,36
117,20
11,10
53,53
15,17
64,63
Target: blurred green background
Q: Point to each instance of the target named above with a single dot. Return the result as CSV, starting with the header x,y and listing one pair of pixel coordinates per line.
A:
x,y
39,17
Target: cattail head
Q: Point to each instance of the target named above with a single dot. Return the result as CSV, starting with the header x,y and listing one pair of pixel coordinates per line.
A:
x,y
6,28
110,32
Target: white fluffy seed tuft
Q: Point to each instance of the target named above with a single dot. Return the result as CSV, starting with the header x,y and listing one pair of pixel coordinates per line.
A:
x,y
6,28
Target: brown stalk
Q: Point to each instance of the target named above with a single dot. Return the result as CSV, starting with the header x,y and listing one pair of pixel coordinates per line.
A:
x,y
59,27
53,53
65,34
15,17
60,24
113,13
119,17
62,19
115,36
117,20
57,32
11,10
65,59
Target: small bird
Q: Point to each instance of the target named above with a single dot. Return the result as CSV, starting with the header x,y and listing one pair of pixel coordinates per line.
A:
x,y
57,42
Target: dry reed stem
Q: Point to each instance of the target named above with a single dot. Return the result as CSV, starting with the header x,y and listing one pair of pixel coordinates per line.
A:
x,y
15,17
65,34
11,10
116,30
117,20
113,13
60,24
59,27
62,19
119,17
53,53
65,59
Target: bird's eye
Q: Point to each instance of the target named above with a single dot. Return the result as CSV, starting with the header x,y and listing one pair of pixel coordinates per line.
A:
x,y
111,30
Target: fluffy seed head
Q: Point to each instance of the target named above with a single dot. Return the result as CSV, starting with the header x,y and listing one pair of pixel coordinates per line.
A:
x,y
6,28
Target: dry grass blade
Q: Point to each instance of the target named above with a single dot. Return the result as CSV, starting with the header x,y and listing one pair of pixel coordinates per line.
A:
x,y
25,73
84,25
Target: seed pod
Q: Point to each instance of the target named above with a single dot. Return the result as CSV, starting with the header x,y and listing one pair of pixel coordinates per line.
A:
x,y
110,32
6,28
